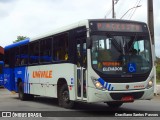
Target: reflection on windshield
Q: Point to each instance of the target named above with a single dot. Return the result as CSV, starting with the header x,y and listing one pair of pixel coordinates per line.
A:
x,y
121,54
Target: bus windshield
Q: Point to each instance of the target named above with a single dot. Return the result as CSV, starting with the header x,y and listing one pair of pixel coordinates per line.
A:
x,y
120,53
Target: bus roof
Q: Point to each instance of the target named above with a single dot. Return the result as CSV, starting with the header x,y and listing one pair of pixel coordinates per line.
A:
x,y
63,29
23,42
75,25
1,50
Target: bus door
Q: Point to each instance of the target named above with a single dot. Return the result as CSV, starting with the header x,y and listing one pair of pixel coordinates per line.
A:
x,y
81,69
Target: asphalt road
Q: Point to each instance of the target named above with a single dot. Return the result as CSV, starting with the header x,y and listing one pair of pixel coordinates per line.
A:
x,y
10,102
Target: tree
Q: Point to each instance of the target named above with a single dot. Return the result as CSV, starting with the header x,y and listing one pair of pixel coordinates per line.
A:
x,y
20,38
158,69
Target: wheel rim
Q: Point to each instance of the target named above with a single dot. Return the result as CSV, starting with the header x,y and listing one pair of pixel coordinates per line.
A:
x,y
65,96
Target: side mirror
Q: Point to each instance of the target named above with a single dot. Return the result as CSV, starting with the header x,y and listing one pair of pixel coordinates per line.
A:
x,y
89,43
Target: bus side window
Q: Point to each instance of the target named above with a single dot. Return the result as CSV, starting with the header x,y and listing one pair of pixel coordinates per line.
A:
x,y
6,58
45,50
17,56
34,52
78,55
24,54
84,55
60,47
1,69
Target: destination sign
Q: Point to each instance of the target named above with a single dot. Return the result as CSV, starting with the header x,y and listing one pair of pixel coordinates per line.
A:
x,y
119,27
115,64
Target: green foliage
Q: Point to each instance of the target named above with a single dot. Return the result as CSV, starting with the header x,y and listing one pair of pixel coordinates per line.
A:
x,y
158,72
158,69
20,38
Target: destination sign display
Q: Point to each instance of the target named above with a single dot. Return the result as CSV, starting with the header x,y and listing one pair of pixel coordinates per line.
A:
x,y
119,27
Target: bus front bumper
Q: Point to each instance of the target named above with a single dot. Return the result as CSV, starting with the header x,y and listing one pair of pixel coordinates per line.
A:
x,y
96,95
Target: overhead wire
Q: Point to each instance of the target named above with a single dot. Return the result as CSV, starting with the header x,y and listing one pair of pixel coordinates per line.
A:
x,y
108,13
134,10
130,13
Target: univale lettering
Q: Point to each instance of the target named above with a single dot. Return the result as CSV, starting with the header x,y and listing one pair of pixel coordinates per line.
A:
x,y
42,74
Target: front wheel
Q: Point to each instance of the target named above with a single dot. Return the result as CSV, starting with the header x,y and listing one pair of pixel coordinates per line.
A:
x,y
114,104
64,99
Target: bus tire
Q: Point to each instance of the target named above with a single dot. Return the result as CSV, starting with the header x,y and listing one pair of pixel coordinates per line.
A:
x,y
64,99
21,94
30,97
114,104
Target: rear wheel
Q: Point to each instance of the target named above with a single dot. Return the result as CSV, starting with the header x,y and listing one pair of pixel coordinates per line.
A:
x,y
64,99
22,95
114,104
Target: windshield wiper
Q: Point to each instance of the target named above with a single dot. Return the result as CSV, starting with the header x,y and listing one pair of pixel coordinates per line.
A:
x,y
123,45
115,43
130,43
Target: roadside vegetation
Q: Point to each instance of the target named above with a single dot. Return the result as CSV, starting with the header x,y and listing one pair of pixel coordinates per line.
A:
x,y
158,69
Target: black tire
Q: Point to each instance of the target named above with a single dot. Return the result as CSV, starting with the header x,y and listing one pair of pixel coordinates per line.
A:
x,y
22,95
114,104
30,97
63,97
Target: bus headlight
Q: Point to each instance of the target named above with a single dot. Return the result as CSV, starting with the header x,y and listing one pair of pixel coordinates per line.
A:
x,y
97,83
150,83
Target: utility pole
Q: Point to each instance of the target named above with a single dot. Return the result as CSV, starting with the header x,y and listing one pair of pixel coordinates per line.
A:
x,y
151,28
112,8
151,19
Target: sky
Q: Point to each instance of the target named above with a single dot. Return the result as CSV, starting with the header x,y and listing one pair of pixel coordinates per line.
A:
x,y
35,17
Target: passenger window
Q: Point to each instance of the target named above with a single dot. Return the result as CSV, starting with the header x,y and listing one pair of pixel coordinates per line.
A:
x,y
17,56
34,52
1,69
60,47
6,59
45,50
24,54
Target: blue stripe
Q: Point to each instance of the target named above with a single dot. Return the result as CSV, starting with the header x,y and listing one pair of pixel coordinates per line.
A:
x,y
105,84
28,81
23,42
109,86
112,88
101,81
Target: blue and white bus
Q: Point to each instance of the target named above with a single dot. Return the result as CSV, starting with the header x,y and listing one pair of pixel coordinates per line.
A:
x,y
95,60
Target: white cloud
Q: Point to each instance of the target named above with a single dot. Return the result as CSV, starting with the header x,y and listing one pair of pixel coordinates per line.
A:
x,y
32,17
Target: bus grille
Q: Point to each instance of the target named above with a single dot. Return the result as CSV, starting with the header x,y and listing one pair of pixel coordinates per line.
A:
x,y
118,96
124,79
